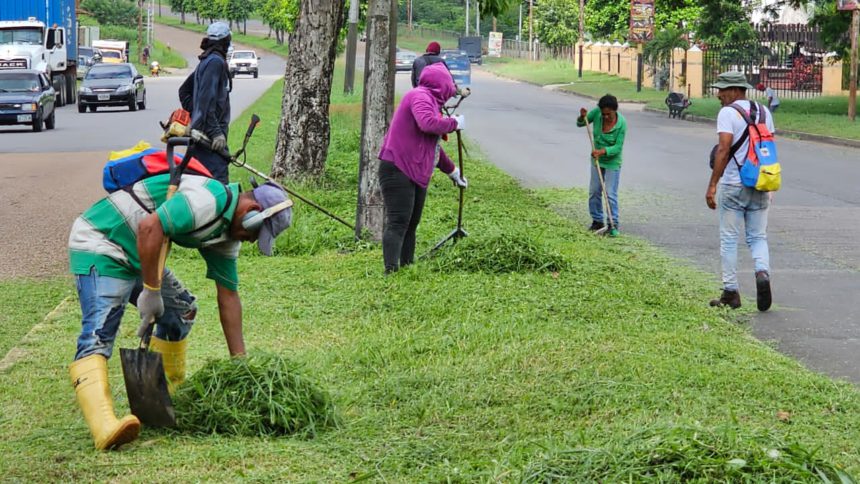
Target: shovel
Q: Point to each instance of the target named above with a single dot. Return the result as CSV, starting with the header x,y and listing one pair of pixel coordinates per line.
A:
x,y
143,370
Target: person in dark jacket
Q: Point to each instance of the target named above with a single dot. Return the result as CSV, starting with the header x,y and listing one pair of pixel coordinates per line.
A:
x,y
410,152
431,56
206,95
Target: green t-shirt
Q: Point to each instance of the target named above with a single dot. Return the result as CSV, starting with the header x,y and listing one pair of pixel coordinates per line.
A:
x,y
613,141
105,236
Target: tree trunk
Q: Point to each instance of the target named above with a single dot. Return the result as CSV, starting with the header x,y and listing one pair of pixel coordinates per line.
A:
x,y
376,116
494,23
303,134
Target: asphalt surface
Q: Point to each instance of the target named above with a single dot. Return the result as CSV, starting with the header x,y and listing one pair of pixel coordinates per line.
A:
x,y
814,223
47,179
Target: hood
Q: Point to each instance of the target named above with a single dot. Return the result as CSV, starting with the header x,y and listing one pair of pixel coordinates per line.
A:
x,y
31,52
438,81
105,83
18,97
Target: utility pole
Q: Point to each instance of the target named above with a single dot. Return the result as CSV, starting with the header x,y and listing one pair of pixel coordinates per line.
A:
x,y
852,87
409,7
467,18
520,28
140,31
581,33
159,8
351,48
478,18
531,30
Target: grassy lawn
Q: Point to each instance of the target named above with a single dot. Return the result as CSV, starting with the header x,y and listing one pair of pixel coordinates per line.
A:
x,y
822,116
250,40
481,364
416,42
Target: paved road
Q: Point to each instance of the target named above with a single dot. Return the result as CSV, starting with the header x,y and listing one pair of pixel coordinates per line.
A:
x,y
48,178
814,223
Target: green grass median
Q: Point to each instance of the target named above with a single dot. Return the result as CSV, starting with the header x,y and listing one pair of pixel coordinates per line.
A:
x,y
825,116
532,351
264,43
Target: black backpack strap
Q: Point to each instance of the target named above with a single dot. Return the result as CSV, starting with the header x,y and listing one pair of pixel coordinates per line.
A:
x,y
220,215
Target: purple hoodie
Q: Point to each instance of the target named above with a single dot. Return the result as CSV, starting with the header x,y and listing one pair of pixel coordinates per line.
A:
x,y
413,136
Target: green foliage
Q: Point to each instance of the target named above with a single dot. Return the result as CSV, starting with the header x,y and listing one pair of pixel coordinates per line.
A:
x,y
834,24
688,454
494,8
725,22
557,22
607,19
280,15
262,394
658,52
112,12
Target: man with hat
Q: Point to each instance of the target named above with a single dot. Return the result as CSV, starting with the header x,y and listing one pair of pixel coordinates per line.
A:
x,y
431,56
206,95
114,249
739,205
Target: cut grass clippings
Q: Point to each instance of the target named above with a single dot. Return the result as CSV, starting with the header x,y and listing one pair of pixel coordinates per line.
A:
x,y
500,252
825,115
261,394
453,376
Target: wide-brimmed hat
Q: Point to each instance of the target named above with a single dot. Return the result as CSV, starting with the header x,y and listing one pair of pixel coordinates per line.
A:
x,y
731,79
268,196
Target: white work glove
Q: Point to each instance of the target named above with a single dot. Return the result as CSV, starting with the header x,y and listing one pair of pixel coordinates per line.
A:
x,y
198,135
219,144
461,121
459,181
151,306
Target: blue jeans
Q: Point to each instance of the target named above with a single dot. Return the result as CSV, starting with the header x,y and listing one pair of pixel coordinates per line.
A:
x,y
595,200
748,206
103,300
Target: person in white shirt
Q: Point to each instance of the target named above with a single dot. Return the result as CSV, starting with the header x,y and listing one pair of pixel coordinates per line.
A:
x,y
772,98
739,205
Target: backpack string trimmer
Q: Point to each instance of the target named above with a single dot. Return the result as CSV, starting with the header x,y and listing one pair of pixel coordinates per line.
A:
x,y
235,161
458,233
607,213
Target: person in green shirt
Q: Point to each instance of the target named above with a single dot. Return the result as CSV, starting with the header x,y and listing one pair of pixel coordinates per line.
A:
x,y
114,249
610,128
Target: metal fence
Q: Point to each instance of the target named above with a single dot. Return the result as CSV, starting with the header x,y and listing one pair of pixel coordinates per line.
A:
x,y
520,49
786,58
791,71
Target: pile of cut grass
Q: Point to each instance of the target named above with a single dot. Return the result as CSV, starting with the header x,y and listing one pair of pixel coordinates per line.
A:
x,y
261,394
688,454
501,252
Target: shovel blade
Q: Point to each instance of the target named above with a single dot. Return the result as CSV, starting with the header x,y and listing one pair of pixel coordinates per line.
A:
x,y
146,387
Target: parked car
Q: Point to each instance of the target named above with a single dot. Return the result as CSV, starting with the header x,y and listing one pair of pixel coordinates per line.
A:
x,y
459,65
27,97
404,60
244,62
87,56
112,85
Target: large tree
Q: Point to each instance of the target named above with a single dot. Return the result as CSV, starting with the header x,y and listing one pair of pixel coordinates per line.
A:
x,y
303,133
557,22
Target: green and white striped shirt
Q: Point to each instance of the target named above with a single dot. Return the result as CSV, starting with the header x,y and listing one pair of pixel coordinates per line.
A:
x,y
105,236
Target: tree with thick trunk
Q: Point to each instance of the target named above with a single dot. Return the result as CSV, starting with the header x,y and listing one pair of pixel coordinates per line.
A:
x,y
303,133
378,106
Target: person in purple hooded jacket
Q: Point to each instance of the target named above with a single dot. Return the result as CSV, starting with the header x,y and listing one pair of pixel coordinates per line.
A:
x,y
409,153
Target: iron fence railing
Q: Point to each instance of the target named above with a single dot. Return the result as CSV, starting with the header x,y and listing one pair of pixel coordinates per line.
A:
x,y
791,70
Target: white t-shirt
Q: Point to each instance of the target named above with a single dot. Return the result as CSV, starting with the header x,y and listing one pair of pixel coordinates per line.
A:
x,y
770,93
731,121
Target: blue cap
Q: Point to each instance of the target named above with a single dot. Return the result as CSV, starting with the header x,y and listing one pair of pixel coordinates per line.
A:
x,y
218,31
268,195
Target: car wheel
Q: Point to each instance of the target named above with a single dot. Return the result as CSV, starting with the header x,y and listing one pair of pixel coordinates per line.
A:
x,y
255,74
37,123
142,105
93,108
82,108
132,103
60,90
50,121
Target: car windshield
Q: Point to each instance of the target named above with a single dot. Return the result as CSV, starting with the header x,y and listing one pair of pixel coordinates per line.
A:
x,y
111,54
26,36
457,61
19,83
243,55
109,72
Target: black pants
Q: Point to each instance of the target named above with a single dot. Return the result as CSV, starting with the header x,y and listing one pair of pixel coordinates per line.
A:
x,y
404,202
213,162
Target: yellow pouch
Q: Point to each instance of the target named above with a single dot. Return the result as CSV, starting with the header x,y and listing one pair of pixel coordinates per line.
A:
x,y
769,178
140,146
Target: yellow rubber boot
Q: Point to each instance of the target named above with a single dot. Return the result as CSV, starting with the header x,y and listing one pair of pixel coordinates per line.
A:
x,y
173,356
89,378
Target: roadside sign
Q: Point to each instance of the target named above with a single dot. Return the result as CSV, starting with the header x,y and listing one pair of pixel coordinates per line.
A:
x,y
848,4
494,45
641,21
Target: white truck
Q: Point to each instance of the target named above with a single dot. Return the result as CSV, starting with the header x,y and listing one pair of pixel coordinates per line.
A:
x,y
41,35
